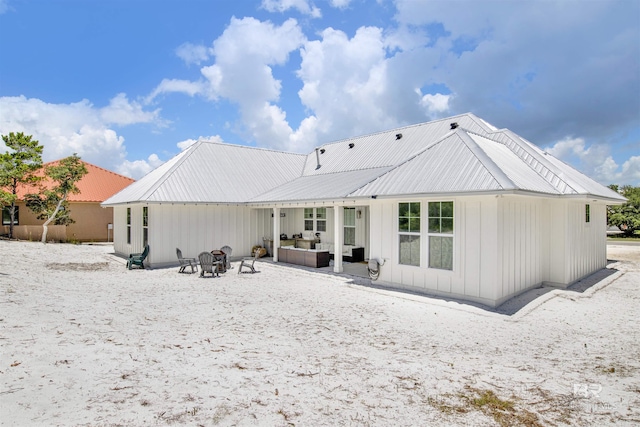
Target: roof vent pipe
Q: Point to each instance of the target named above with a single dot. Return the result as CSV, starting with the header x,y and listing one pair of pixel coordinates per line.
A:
x,y
454,125
351,145
318,158
398,136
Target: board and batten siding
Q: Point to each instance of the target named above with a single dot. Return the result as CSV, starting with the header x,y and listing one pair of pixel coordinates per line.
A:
x,y
586,241
521,229
474,276
192,228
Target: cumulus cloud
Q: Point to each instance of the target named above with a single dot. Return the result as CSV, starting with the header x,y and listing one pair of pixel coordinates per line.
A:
x,y
121,111
245,57
596,161
64,129
536,68
303,6
139,168
434,103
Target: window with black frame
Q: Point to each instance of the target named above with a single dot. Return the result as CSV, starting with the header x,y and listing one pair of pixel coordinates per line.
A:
x,y
6,216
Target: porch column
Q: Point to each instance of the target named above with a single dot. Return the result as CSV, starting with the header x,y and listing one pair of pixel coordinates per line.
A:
x,y
338,238
276,233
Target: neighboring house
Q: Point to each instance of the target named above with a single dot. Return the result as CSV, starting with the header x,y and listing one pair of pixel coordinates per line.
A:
x,y
453,207
93,223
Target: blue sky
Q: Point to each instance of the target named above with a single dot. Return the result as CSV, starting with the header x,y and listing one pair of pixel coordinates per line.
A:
x,y
128,84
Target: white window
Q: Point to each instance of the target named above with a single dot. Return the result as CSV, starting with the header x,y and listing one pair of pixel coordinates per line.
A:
x,y
308,219
315,219
409,233
350,226
441,235
321,219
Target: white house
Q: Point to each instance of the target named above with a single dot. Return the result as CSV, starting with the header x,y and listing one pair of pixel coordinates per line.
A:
x,y
453,207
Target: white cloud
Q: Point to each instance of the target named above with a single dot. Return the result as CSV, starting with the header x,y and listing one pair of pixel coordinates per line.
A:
x,y
348,84
596,162
175,86
303,6
139,168
340,4
193,54
64,129
121,111
245,56
434,103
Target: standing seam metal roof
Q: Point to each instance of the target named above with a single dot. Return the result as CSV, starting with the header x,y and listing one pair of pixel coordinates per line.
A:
x,y
427,158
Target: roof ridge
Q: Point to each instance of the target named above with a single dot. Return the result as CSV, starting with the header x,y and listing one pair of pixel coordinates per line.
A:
x,y
249,147
494,170
537,157
471,115
405,161
183,155
92,165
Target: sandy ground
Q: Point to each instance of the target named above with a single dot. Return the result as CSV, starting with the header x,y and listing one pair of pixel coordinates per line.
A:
x,y
85,342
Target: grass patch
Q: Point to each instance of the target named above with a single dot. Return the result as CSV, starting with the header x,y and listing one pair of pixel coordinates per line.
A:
x,y
504,412
489,399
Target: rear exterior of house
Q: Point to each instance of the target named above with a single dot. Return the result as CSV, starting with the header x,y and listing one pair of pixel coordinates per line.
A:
x,y
93,223
455,208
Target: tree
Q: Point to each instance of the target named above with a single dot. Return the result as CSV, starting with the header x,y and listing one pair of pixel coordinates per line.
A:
x,y
626,217
51,204
18,166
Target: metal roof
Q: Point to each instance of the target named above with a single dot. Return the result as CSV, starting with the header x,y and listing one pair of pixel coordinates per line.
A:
x,y
211,172
428,158
320,187
448,166
388,148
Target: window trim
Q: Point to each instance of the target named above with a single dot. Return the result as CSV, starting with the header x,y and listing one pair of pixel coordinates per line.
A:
x,y
145,225
440,234
409,232
312,219
350,227
587,213
128,219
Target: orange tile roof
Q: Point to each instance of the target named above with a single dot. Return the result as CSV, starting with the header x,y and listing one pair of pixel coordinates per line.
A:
x,y
96,186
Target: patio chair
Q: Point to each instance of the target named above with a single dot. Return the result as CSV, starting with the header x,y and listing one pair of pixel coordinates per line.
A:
x,y
245,262
227,256
208,264
138,259
186,262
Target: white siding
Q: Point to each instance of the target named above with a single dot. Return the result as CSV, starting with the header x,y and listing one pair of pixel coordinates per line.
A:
x,y
192,228
120,245
576,248
520,236
586,241
475,247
